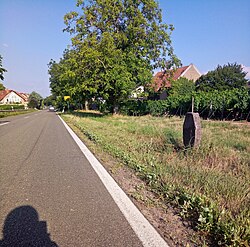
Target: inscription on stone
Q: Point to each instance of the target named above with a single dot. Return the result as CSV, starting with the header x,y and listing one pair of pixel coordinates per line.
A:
x,y
192,130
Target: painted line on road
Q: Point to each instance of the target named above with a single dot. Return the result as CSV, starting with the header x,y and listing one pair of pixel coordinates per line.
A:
x,y
26,117
4,123
143,229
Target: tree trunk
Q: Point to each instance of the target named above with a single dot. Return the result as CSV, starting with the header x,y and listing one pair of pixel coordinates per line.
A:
x,y
115,109
86,105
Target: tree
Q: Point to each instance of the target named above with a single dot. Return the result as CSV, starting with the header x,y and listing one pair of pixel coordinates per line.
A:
x,y
180,95
50,100
117,45
70,76
35,100
182,87
2,87
223,78
2,70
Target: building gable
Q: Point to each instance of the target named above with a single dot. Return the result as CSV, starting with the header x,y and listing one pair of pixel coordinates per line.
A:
x,y
10,96
162,79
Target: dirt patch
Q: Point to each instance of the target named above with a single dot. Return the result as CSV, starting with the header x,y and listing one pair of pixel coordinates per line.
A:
x,y
163,217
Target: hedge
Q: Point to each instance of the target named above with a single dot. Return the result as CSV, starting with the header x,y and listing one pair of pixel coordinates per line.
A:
x,y
10,107
227,104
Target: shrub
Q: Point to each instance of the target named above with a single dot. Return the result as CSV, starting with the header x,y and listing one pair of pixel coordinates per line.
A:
x,y
10,107
157,107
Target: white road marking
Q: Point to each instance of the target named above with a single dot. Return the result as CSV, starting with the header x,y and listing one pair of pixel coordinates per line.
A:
x,y
143,229
26,117
4,123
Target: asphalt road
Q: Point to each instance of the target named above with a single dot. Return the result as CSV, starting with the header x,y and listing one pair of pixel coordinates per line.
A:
x,y
49,193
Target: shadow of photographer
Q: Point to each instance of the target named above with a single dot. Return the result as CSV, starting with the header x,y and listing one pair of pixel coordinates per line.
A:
x,y
22,228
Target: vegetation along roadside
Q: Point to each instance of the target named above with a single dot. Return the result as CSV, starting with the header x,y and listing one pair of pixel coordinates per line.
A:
x,y
13,110
209,186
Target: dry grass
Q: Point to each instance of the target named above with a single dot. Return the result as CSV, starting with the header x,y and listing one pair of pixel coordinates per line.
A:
x,y
218,169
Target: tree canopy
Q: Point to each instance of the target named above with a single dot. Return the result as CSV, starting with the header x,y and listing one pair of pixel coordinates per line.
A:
x,y
2,70
116,45
50,100
35,100
223,78
2,87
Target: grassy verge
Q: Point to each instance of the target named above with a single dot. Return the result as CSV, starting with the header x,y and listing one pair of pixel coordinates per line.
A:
x,y
209,185
14,113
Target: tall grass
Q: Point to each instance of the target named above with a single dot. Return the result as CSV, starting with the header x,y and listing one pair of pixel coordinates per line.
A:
x,y
210,185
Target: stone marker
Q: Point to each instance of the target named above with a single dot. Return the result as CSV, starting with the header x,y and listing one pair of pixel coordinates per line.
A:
x,y
192,130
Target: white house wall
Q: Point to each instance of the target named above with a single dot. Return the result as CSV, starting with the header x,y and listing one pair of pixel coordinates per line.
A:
x,y
12,98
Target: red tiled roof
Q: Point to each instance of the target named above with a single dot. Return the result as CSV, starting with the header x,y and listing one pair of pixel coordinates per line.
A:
x,y
179,72
163,78
4,93
25,96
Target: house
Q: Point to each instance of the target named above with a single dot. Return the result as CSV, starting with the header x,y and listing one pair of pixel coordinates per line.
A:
x,y
137,92
11,97
162,78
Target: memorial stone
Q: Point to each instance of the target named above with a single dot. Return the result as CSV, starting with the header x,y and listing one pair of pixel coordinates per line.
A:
x,y
192,130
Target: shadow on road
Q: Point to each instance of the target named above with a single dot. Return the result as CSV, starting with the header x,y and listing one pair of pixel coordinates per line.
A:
x,y
22,228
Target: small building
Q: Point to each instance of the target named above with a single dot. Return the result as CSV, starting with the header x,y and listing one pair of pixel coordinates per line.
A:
x,y
8,96
137,92
163,79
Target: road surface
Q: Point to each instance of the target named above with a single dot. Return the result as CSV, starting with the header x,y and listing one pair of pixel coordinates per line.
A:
x,y
49,193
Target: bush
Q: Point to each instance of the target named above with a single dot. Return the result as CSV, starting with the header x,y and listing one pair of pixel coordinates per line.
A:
x,y
227,104
134,108
10,107
157,107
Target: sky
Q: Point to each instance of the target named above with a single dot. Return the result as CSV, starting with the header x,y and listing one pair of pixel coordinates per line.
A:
x,y
207,33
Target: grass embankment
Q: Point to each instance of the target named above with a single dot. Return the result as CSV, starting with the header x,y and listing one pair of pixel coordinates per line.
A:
x,y
209,185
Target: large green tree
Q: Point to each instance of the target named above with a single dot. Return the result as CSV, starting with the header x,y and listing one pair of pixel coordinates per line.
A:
x,y
224,77
71,77
117,44
35,100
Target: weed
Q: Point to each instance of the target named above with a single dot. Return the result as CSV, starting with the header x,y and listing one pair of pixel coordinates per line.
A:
x,y
209,185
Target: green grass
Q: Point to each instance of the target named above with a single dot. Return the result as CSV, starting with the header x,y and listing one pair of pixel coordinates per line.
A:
x,y
210,185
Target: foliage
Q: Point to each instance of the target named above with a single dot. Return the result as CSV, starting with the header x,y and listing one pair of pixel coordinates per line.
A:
x,y
157,107
14,113
223,78
182,87
226,104
11,107
115,47
229,104
134,107
2,70
2,87
35,100
50,100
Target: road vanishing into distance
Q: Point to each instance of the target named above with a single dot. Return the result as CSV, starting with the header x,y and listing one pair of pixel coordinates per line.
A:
x,y
49,193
